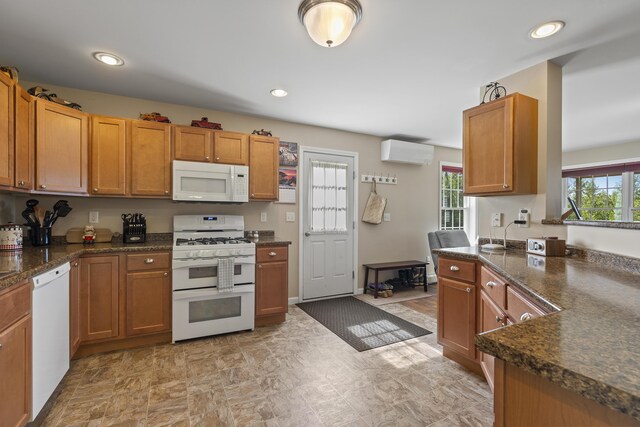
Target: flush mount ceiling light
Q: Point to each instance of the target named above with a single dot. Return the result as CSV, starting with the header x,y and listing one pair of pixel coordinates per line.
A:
x,y
279,93
329,22
547,29
108,58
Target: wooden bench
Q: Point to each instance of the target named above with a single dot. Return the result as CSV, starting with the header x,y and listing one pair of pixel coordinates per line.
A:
x,y
385,266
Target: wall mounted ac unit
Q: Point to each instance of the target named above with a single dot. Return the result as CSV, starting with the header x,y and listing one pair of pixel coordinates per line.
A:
x,y
414,153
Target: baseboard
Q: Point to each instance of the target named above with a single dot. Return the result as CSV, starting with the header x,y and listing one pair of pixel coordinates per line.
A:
x,y
359,291
432,278
294,300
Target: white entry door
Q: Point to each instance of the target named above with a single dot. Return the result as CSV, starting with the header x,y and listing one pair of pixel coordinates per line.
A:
x,y
327,225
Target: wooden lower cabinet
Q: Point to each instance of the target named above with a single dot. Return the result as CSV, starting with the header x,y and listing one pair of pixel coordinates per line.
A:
x,y
15,356
490,317
272,284
74,307
99,302
148,302
457,316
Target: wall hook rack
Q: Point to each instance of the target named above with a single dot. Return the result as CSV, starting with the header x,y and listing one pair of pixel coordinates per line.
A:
x,y
380,179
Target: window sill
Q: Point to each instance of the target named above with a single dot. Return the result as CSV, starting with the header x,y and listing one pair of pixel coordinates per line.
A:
x,y
603,224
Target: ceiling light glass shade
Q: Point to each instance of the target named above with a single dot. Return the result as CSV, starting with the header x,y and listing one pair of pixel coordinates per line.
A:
x,y
108,58
547,29
329,22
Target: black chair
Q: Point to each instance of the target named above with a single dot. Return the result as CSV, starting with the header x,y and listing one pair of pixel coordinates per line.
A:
x,y
446,239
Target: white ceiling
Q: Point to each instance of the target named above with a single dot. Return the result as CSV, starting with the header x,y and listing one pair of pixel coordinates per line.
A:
x,y
408,70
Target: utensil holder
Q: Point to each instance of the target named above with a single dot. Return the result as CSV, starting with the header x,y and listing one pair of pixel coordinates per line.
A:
x,y
40,236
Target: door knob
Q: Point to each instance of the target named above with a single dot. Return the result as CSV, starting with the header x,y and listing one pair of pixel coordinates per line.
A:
x,y
307,234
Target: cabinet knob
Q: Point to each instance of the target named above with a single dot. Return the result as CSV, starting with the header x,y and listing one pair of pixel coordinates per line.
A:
x,y
149,261
491,284
217,158
0,346
525,316
20,182
498,319
95,190
75,264
468,290
272,253
166,192
206,157
253,195
454,268
259,265
165,274
505,186
44,187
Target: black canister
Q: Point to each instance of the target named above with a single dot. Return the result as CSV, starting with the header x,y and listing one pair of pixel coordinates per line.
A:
x,y
40,236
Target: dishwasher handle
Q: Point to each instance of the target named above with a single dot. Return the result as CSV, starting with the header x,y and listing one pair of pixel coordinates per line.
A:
x,y
51,275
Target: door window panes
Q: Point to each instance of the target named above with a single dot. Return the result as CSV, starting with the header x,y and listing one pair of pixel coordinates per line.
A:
x,y
328,197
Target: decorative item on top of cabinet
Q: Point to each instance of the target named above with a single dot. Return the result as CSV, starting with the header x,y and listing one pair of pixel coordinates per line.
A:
x,y
261,132
263,167
108,154
205,123
40,92
272,284
149,161
192,144
231,148
24,117
6,131
62,142
154,117
15,355
500,147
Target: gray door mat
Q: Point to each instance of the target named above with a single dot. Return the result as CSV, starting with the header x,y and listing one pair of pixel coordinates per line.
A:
x,y
361,325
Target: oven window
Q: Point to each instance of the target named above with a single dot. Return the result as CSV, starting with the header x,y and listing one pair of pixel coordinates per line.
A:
x,y
204,272
214,309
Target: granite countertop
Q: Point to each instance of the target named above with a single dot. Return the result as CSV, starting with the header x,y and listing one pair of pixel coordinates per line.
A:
x,y
270,240
18,266
590,343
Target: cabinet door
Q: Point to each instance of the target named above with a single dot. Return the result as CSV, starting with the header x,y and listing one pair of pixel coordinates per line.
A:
x,y
62,142
457,316
108,137
150,159
15,366
148,302
263,167
24,143
192,144
74,307
98,298
6,131
488,148
272,288
490,318
231,148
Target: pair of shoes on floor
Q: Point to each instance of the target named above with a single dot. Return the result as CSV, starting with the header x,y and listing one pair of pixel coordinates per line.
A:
x,y
385,294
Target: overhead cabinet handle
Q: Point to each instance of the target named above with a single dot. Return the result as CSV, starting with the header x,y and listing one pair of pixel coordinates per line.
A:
x,y
491,283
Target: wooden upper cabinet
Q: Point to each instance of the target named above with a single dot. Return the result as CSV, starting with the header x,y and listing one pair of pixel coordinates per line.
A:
x,y
62,142
500,147
24,110
231,148
192,144
6,131
150,159
99,298
263,167
108,148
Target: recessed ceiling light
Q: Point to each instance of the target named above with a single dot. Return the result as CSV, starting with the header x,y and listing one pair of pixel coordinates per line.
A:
x,y
108,58
547,29
279,93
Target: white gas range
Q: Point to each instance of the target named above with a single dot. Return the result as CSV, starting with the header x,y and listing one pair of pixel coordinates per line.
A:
x,y
213,276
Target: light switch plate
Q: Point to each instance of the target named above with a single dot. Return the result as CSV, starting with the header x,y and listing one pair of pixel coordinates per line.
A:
x,y
263,217
291,217
94,217
386,217
496,219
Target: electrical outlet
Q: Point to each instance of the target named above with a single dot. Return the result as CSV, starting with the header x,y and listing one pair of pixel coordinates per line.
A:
x,y
263,217
524,215
94,217
496,219
291,217
386,217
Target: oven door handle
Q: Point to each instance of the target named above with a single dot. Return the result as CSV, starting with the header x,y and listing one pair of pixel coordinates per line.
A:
x,y
210,293
208,262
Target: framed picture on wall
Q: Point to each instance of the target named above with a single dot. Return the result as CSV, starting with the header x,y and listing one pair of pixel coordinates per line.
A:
x,y
288,153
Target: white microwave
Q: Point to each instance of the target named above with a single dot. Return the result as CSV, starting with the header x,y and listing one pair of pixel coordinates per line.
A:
x,y
210,182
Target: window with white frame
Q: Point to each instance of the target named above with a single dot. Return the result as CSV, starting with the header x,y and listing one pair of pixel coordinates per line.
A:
x,y
452,202
605,192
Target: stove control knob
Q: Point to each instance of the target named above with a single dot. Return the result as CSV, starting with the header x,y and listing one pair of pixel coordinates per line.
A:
x,y
192,254
202,254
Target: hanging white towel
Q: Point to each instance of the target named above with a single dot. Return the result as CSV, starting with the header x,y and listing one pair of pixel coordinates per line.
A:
x,y
225,274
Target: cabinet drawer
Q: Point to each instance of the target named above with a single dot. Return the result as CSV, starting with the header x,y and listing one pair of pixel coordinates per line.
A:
x,y
494,286
518,306
457,269
15,304
271,253
149,261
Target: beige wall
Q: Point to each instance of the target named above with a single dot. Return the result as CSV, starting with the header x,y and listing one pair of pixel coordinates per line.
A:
x,y
543,82
413,203
608,153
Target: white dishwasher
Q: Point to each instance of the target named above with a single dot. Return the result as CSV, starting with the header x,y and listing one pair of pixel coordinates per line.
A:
x,y
50,317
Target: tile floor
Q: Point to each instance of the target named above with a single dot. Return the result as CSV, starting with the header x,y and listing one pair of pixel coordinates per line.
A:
x,y
294,374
